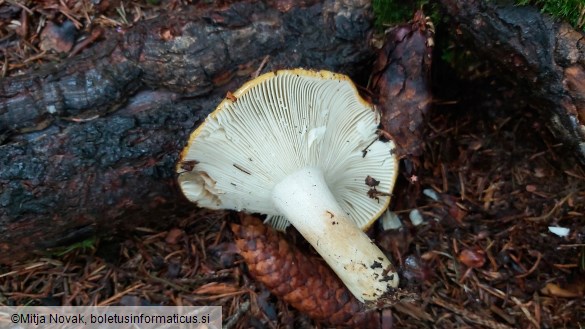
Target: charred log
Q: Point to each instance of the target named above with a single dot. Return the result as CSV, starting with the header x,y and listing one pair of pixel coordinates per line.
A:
x,y
544,58
91,144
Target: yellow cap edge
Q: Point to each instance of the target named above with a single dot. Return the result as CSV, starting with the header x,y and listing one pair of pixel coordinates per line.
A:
x,y
328,75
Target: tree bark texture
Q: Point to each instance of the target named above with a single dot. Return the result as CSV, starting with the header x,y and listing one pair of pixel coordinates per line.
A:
x,y
91,144
545,59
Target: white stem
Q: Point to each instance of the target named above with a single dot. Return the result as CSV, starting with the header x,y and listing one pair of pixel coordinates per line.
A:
x,y
305,199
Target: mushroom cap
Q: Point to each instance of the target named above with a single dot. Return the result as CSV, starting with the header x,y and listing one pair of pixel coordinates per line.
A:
x,y
279,123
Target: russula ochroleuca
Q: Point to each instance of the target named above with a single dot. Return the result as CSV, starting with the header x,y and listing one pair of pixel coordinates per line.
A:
x,y
301,147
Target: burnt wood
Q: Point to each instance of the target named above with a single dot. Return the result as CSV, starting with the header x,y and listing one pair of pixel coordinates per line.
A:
x,y
542,57
90,145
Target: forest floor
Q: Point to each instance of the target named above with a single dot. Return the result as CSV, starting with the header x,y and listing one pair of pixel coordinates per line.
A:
x,y
491,183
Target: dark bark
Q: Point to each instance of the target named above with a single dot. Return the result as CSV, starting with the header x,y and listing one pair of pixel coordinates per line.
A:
x,y
91,144
544,58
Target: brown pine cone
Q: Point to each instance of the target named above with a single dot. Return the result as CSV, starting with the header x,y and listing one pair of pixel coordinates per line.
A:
x,y
307,284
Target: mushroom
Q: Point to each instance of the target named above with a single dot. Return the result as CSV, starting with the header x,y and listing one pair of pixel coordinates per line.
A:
x,y
300,146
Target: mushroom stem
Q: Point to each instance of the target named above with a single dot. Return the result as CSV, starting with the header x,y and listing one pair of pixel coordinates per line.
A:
x,y
305,199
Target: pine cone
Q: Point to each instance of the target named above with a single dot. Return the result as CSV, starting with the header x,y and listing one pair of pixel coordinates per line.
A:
x,y
307,284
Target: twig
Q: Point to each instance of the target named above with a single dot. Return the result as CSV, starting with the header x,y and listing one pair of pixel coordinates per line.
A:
x,y
469,315
525,311
232,320
533,268
261,66
551,212
120,294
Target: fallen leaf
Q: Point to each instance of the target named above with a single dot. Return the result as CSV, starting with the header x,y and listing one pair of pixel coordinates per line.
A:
x,y
472,258
174,236
58,38
552,289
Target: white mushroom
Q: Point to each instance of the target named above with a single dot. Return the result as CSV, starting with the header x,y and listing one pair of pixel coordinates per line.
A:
x,y
301,147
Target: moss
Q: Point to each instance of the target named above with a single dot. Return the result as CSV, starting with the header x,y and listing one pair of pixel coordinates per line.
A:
x,y
572,11
389,12
82,246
